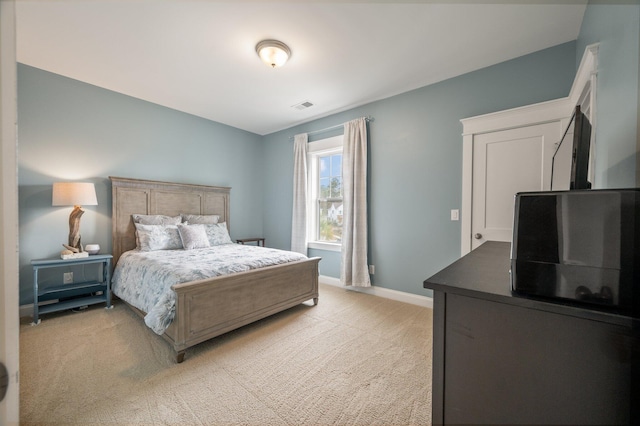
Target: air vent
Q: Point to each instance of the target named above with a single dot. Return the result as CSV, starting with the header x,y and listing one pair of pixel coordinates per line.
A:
x,y
302,105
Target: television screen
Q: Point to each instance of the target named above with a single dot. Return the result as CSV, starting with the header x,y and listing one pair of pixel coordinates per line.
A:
x,y
571,159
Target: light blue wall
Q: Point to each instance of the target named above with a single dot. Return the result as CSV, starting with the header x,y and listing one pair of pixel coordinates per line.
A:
x,y
416,164
70,130
617,29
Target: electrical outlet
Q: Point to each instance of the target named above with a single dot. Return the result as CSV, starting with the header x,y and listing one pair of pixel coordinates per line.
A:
x,y
67,278
372,269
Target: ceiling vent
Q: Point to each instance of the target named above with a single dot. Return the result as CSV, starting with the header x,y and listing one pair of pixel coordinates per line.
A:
x,y
302,105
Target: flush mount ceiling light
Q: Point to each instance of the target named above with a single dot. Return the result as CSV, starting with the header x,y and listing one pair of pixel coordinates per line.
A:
x,y
274,53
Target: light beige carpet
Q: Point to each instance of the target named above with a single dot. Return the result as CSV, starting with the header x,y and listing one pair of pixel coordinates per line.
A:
x,y
354,359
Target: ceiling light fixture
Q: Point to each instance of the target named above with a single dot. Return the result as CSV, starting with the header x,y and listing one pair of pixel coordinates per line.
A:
x,y
274,53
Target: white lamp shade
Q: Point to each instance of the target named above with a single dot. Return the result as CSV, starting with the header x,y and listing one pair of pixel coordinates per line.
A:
x,y
274,53
74,194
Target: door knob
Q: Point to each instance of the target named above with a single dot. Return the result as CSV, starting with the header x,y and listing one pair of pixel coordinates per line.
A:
x,y
478,236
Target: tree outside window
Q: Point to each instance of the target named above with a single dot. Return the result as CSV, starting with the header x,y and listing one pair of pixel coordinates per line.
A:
x,y
330,198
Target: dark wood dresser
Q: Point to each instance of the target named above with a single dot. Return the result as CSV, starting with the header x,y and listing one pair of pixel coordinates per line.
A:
x,y
500,358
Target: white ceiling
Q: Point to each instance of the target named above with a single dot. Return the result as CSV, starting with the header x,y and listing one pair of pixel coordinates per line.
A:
x,y
199,56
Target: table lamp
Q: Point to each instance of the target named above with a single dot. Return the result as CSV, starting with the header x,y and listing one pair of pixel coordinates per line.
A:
x,y
74,194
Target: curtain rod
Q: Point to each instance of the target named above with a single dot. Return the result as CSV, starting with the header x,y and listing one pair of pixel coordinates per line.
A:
x,y
326,129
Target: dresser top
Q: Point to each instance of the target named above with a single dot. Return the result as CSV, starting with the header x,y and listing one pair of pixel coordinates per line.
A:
x,y
484,270
484,273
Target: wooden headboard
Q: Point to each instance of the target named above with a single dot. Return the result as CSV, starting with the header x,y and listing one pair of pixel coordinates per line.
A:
x,y
139,196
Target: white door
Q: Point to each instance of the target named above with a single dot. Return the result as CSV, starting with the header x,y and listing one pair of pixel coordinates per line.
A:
x,y
504,163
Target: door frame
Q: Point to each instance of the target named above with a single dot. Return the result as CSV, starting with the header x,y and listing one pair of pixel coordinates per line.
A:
x,y
582,90
9,287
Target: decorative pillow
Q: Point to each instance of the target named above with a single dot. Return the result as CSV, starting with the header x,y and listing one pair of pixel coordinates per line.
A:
x,y
156,219
193,236
158,237
200,218
218,234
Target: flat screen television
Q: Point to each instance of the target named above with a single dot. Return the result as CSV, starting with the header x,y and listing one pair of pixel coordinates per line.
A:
x,y
570,164
579,247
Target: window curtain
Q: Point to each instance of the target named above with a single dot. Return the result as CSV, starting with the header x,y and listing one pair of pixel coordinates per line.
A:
x,y
354,269
299,217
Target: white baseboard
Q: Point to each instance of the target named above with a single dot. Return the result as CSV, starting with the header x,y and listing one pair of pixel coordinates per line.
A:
x,y
387,293
26,310
400,296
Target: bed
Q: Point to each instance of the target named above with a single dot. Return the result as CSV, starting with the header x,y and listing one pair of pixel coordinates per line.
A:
x,y
207,308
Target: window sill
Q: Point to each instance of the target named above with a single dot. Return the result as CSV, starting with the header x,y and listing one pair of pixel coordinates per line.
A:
x,y
324,246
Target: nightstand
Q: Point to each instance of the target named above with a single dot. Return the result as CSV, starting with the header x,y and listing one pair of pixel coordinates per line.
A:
x,y
258,241
76,294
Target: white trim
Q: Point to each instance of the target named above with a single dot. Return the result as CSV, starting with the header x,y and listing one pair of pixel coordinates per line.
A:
x,y
529,115
467,186
318,245
325,144
586,71
9,254
387,293
26,310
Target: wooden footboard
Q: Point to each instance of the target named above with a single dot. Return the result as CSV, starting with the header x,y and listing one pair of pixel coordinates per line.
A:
x,y
209,308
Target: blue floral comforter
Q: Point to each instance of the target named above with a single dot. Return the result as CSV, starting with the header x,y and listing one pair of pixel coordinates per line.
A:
x,y
144,278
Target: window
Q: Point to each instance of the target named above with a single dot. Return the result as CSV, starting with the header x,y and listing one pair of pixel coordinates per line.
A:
x,y
325,193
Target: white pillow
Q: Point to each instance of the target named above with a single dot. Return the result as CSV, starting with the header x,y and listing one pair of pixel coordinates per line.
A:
x,y
158,237
218,234
193,236
156,219
200,218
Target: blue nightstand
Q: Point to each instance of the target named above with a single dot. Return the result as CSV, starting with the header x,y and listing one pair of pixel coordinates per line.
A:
x,y
80,294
